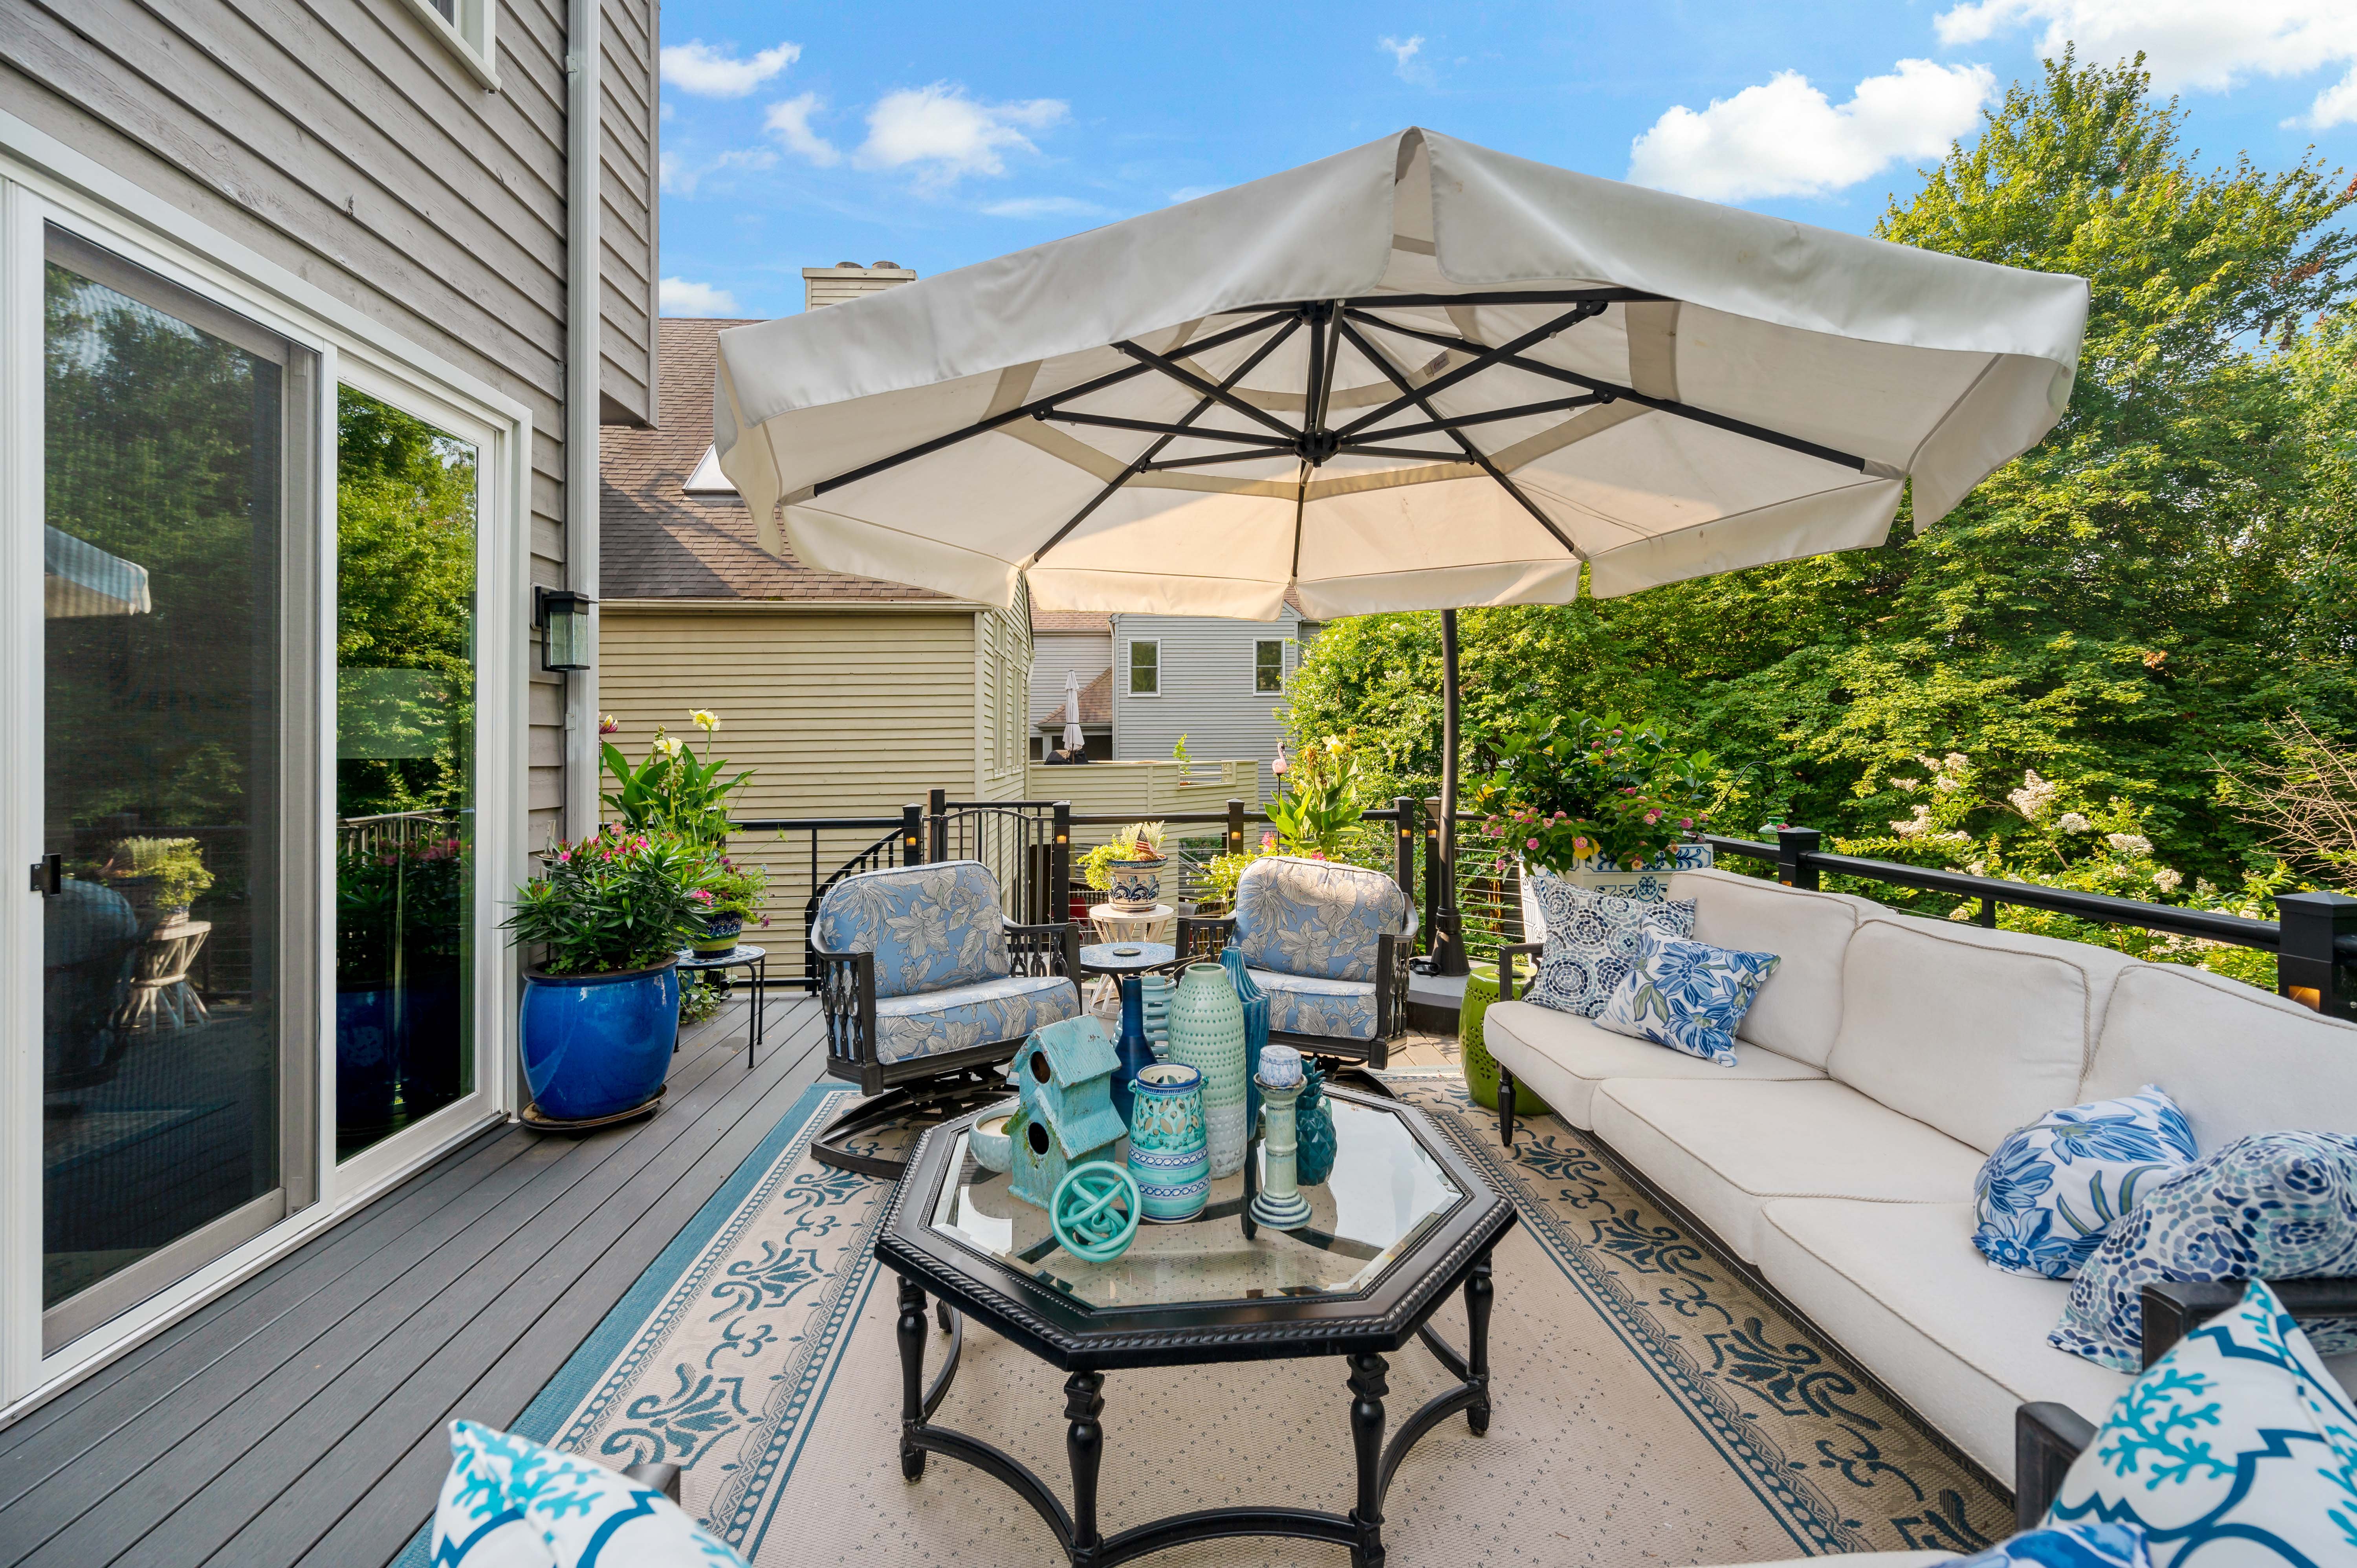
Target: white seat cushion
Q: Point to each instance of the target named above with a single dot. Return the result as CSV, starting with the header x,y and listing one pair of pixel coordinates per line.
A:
x,y
1797,1013
1725,1150
1563,1057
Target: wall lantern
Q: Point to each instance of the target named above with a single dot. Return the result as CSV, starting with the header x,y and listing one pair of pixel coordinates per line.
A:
x,y
563,617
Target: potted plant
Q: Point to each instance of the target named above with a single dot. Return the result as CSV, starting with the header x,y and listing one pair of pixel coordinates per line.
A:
x,y
602,1009
735,890
1128,870
159,878
1606,803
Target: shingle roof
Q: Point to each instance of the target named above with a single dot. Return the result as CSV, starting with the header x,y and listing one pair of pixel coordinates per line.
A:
x,y
1096,704
1072,620
657,541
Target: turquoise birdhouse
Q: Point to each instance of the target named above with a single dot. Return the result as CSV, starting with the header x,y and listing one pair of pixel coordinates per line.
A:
x,y
1063,1075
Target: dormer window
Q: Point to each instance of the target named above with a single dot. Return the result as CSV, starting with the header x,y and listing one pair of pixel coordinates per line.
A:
x,y
707,480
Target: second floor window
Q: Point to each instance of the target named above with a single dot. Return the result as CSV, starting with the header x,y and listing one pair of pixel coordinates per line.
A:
x,y
1144,668
1268,665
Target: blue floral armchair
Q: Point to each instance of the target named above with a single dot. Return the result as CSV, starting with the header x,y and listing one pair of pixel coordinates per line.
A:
x,y
1329,944
927,987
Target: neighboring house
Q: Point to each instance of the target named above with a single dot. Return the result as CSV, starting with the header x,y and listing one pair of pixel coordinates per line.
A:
x,y
232,236
847,696
1067,643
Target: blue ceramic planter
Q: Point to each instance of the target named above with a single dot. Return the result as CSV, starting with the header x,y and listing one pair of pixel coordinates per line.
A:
x,y
598,1045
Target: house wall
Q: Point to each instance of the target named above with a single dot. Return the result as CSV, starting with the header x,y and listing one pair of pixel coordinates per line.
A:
x,y
345,141
1207,689
1002,700
629,245
1055,654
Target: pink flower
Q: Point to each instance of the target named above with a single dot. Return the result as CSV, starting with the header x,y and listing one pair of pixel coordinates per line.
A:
x,y
1530,844
1685,822
700,896
1653,817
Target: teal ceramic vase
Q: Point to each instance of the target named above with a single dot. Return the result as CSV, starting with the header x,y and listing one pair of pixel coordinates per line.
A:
x,y
1255,1003
1313,1120
1207,1033
1167,1157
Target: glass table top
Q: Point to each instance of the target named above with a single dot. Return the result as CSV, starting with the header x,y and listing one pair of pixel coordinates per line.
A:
x,y
1386,1192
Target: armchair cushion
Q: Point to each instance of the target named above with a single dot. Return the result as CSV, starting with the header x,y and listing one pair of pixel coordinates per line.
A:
x,y
959,1017
1305,1005
929,926
1315,919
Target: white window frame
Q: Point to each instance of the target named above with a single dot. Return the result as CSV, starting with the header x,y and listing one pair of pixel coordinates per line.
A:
x,y
1129,667
472,35
43,181
1284,664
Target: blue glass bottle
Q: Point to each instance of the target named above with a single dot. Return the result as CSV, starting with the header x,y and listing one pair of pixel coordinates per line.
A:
x,y
1136,1052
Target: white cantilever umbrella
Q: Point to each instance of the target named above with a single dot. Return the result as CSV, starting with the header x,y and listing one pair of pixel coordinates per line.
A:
x,y
1417,375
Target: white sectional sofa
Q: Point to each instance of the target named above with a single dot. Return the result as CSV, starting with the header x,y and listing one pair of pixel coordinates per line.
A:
x,y
1880,1065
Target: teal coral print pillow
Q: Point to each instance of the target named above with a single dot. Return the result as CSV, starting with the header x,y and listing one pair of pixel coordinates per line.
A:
x,y
1688,995
2053,1191
510,1503
930,927
1316,919
2237,1448
1592,940
2064,1546
2273,1206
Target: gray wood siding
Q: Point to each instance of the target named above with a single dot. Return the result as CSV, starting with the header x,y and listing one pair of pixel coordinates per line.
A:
x,y
1206,689
629,245
1056,653
343,141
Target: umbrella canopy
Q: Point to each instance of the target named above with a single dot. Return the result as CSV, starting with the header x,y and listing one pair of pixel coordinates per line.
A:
x,y
1416,375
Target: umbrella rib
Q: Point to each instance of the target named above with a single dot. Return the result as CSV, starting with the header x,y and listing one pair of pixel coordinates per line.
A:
x,y
1144,460
1353,450
1611,390
1483,358
1030,410
1399,379
1110,422
1253,455
1179,374
1526,411
1499,296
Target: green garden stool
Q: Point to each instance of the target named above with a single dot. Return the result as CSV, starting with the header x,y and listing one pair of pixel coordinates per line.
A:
x,y
1480,1067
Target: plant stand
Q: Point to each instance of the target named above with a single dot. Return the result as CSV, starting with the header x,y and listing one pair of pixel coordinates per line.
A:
x,y
539,1121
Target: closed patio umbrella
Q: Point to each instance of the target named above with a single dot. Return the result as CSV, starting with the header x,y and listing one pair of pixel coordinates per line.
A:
x,y
1074,741
1419,374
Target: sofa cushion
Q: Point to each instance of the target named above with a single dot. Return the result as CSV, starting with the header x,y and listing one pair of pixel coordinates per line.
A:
x,y
2236,1060
959,1017
1975,1032
929,926
1724,1150
1315,917
1304,1005
1565,1059
1797,1012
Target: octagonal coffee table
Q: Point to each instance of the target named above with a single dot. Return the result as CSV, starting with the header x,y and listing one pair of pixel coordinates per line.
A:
x,y
1403,1221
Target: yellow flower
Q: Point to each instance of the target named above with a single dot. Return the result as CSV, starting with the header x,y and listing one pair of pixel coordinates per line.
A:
x,y
705,720
1333,743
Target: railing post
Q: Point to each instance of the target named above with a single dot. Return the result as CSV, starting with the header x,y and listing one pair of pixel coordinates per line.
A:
x,y
1403,845
937,848
1059,863
1431,868
1794,846
2307,970
912,835
1235,827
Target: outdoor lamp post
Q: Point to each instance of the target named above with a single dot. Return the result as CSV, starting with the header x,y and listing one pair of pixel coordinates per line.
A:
x,y
563,617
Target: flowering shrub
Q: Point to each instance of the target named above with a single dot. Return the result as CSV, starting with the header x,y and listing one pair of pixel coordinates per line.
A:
x,y
1562,791
614,901
1318,813
673,792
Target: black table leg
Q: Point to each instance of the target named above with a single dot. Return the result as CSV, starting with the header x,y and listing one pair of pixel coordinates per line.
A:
x,y
1084,1446
1480,1295
1367,1437
758,973
912,1377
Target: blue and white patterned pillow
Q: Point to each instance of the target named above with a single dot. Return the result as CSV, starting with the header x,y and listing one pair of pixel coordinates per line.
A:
x,y
2237,1448
2064,1546
510,1503
1688,995
2279,1206
1592,940
2053,1191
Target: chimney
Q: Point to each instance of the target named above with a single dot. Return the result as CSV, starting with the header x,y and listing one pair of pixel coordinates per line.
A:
x,y
849,280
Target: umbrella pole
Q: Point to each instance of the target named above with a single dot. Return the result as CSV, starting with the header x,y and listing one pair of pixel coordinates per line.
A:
x,y
1447,926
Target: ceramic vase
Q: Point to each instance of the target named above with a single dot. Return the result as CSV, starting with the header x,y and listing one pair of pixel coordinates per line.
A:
x,y
1154,993
1168,1155
598,1045
1207,1033
1255,1003
1132,1048
1313,1120
719,935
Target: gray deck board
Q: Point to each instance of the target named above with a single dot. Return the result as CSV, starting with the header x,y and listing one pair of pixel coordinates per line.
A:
x,y
299,1414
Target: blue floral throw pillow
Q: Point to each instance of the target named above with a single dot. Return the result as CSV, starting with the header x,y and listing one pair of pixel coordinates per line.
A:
x,y
2064,1546
510,1503
2237,1448
1688,995
1592,940
2053,1191
2279,1205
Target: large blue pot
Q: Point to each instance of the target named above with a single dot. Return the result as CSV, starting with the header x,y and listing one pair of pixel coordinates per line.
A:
x,y
598,1045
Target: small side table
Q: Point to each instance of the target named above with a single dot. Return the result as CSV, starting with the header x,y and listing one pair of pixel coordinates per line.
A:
x,y
755,963
1123,927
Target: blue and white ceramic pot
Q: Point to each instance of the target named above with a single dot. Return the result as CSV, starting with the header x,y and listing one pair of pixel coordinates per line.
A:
x,y
598,1045
1207,1033
1167,1157
721,929
1647,879
1136,885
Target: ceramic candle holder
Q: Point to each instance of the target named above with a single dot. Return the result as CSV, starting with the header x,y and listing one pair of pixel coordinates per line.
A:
x,y
1279,1204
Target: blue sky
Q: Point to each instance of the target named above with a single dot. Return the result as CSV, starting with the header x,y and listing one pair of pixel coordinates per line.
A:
x,y
934,135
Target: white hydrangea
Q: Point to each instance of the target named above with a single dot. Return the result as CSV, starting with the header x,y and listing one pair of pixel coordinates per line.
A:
x,y
2129,843
1916,826
2168,879
2034,796
1910,785
1952,838
2072,823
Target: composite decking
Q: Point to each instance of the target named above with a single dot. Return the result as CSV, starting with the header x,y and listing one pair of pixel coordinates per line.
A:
x,y
299,1419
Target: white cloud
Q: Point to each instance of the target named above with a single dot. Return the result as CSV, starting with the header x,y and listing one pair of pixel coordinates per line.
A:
x,y
947,135
1189,192
683,297
1785,138
678,177
1403,52
789,122
1046,207
2203,45
696,67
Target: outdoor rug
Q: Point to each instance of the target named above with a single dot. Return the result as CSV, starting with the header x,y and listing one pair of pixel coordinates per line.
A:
x,y
1653,1410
